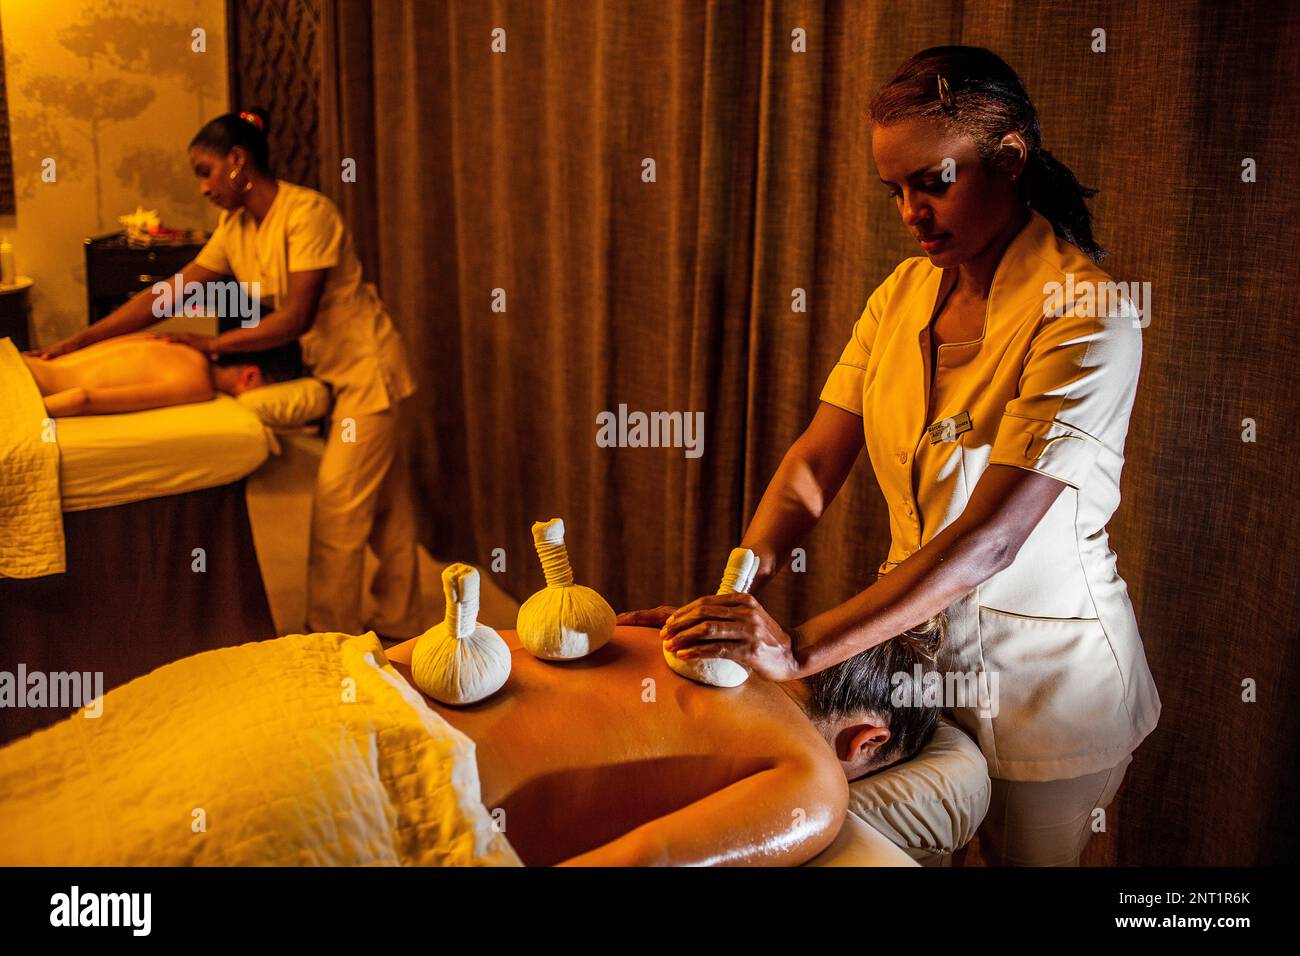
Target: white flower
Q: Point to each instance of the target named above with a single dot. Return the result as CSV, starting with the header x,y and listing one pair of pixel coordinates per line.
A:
x,y
140,221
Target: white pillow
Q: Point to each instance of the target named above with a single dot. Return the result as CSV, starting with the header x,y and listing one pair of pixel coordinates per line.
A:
x,y
288,404
932,804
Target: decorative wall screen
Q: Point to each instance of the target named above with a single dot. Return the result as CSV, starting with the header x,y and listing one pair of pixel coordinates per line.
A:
x,y
7,205
275,64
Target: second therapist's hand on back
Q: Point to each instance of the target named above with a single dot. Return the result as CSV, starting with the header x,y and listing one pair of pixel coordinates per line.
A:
x,y
203,343
69,344
651,617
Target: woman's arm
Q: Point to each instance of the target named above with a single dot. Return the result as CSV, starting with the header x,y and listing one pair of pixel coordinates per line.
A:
x,y
806,482
291,318
131,316
1007,504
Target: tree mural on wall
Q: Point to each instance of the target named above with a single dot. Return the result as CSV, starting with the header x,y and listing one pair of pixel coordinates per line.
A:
x,y
161,48
37,136
92,103
111,90
127,52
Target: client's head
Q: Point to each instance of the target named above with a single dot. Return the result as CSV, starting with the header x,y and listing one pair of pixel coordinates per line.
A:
x,y
865,707
236,373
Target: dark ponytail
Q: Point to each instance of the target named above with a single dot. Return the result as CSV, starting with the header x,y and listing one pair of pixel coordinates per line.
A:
x,y
986,100
1054,192
248,129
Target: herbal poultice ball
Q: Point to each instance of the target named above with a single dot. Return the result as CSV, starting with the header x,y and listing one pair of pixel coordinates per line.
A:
x,y
563,621
718,671
460,661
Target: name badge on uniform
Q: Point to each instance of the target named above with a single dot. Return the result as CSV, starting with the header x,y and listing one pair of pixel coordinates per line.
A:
x,y
947,429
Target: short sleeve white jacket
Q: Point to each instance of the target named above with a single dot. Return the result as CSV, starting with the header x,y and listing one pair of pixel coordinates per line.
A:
x,y
1048,386
352,343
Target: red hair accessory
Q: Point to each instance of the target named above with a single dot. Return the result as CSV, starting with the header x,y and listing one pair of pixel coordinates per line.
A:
x,y
252,118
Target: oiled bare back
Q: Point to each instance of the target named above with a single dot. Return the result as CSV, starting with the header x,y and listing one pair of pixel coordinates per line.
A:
x,y
579,753
121,361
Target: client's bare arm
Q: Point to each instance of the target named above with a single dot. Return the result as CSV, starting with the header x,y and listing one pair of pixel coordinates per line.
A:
x,y
125,398
782,816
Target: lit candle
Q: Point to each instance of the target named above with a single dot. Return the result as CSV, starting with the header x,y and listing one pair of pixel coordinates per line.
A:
x,y
7,274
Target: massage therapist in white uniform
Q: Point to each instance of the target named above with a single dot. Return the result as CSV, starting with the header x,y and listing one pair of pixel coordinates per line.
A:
x,y
293,242
996,432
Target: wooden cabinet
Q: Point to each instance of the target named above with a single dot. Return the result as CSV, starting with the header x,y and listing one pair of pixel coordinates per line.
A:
x,y
116,270
14,311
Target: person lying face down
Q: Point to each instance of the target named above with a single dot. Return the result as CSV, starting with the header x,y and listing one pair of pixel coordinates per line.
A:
x,y
615,760
132,373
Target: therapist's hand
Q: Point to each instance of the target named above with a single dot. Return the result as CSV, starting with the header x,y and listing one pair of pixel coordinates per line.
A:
x,y
70,344
734,626
651,617
204,343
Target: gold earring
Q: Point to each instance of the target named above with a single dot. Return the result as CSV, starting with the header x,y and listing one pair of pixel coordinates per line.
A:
x,y
248,183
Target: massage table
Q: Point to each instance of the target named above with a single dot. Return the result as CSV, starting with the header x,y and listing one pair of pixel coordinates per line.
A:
x,y
376,776
139,495
859,844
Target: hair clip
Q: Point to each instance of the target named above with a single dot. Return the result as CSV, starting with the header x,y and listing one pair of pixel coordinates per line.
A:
x,y
252,118
945,94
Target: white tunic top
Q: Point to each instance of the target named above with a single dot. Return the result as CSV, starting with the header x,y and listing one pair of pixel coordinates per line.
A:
x,y
1047,392
352,343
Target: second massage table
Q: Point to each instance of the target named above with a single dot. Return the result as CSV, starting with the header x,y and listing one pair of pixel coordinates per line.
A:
x,y
159,555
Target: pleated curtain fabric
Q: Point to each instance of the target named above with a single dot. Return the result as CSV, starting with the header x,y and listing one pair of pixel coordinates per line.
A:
x,y
540,279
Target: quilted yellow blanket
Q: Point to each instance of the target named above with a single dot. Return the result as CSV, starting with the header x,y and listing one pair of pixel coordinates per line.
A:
x,y
308,749
31,521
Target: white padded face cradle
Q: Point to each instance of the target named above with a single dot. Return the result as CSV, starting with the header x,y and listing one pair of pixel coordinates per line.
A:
x,y
931,804
288,404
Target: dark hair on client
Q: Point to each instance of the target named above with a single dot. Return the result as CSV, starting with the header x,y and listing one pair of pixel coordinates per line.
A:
x,y
866,682
248,129
280,364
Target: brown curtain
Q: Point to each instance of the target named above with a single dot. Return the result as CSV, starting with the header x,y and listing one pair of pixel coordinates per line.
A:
x,y
522,171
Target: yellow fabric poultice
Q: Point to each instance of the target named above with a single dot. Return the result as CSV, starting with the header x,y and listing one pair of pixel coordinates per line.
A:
x,y
563,621
308,749
460,661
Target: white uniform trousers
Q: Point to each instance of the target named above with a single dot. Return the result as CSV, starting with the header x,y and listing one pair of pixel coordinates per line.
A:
x,y
1048,822
362,497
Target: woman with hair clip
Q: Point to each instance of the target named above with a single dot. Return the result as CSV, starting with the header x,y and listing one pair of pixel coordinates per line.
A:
x,y
993,397
292,241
